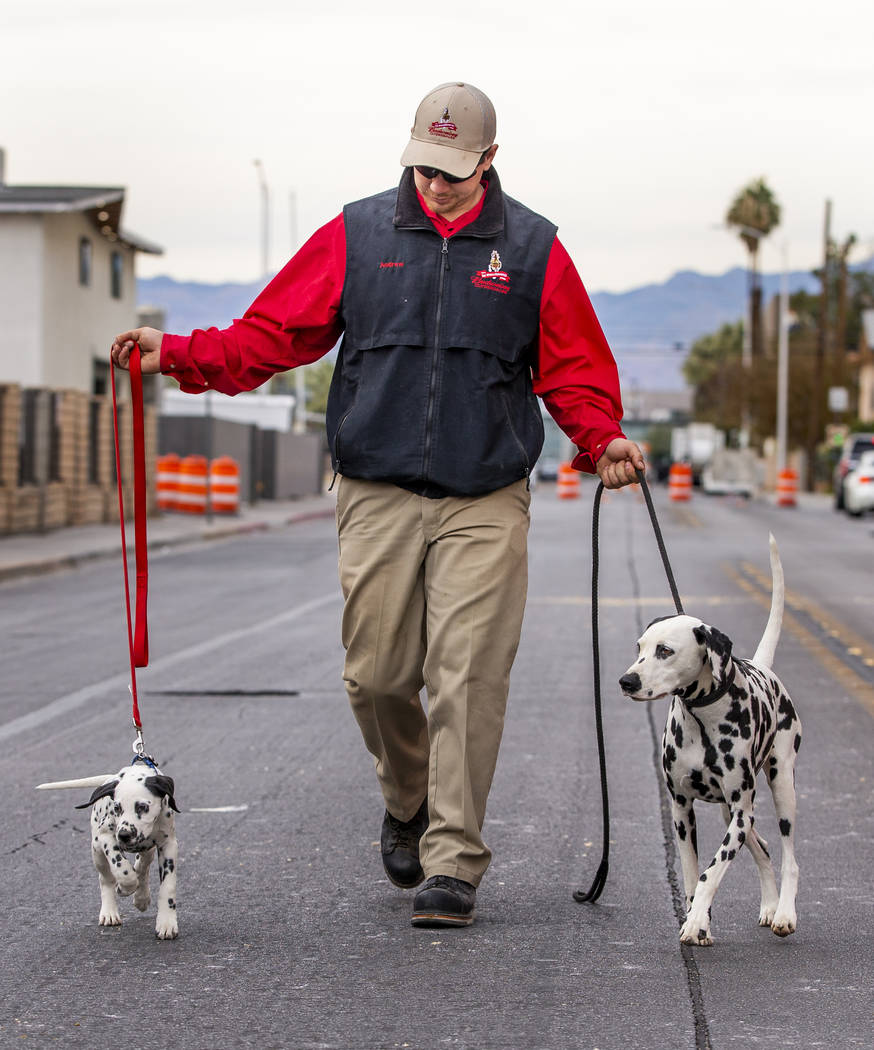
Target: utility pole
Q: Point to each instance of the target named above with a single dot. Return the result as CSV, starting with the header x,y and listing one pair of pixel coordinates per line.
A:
x,y
816,423
783,366
265,219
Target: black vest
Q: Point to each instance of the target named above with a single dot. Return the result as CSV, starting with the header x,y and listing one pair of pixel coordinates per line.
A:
x,y
432,387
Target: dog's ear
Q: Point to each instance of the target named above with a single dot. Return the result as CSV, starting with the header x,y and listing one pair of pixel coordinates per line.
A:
x,y
717,648
160,785
101,792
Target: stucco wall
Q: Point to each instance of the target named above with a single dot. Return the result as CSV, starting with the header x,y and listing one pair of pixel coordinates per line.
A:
x,y
21,305
81,320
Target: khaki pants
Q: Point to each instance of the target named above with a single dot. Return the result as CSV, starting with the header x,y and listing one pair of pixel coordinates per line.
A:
x,y
435,591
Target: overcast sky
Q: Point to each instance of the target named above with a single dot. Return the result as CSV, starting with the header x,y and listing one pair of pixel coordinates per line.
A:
x,y
630,124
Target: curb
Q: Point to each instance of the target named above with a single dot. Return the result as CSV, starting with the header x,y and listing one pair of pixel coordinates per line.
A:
x,y
45,566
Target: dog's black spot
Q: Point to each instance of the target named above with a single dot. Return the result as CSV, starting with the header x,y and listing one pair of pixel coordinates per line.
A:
x,y
748,782
796,743
681,799
669,756
681,831
787,711
785,827
728,762
735,796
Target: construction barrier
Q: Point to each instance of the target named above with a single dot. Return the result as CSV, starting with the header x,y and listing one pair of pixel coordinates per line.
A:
x,y
224,485
568,483
191,493
680,482
167,480
787,488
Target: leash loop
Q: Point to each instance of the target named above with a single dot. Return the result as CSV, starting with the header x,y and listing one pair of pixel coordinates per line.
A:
x,y
600,880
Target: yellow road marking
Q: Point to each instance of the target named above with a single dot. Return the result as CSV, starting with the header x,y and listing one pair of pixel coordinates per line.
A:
x,y
857,687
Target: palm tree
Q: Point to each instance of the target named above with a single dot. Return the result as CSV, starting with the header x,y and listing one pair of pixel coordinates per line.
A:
x,y
754,212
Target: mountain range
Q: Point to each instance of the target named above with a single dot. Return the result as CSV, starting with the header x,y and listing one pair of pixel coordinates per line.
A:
x,y
650,328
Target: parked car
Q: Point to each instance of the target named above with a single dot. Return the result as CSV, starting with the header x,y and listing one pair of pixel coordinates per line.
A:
x,y
854,446
859,485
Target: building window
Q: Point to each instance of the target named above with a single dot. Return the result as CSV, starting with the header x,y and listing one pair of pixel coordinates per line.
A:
x,y
27,430
116,268
85,259
94,441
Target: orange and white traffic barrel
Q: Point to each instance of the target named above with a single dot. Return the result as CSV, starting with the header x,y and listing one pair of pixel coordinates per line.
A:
x,y
224,485
787,488
568,483
167,480
680,482
191,493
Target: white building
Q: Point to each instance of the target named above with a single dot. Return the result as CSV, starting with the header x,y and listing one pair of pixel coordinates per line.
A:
x,y
67,283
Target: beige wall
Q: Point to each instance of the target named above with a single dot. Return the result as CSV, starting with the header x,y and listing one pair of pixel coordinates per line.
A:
x,y
21,299
80,321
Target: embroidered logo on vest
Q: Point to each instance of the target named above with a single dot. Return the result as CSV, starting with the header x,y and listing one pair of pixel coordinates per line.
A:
x,y
493,278
444,128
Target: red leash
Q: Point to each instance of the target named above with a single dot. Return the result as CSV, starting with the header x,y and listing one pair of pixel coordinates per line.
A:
x,y
137,630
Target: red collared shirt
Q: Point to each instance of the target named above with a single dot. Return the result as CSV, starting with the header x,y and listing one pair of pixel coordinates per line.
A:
x,y
296,321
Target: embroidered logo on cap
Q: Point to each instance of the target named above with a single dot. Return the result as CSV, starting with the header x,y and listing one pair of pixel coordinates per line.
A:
x,y
444,128
494,277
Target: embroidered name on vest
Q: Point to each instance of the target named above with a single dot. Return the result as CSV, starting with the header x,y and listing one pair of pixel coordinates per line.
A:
x,y
390,265
494,278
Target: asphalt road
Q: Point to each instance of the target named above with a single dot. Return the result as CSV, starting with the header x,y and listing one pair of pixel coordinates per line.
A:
x,y
291,936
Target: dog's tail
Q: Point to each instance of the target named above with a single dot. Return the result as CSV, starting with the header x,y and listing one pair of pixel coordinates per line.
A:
x,y
764,655
85,782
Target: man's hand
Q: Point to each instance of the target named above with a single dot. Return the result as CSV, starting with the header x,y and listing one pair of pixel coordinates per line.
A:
x,y
616,467
149,340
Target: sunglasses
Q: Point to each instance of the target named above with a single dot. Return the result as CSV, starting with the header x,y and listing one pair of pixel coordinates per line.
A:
x,y
431,173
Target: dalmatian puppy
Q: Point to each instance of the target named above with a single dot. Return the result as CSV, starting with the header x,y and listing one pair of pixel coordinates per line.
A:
x,y
132,812
728,719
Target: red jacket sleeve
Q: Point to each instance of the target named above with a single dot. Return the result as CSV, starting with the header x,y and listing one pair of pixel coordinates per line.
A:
x,y
576,374
294,321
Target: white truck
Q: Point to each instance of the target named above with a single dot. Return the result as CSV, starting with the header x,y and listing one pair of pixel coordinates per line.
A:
x,y
696,444
717,469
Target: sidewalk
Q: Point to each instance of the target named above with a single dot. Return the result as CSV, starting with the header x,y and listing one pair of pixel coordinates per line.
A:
x,y
32,553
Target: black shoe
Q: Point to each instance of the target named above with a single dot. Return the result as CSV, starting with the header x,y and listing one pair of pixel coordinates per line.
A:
x,y
444,901
399,842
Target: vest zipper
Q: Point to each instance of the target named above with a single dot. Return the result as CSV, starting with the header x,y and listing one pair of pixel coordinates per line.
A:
x,y
432,386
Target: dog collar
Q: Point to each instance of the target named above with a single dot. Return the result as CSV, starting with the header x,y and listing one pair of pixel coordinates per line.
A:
x,y
706,699
147,759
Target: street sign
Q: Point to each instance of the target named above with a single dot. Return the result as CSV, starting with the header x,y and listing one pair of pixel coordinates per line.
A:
x,y
838,399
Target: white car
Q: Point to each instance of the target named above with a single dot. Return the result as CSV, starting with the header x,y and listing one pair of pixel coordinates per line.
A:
x,y
859,486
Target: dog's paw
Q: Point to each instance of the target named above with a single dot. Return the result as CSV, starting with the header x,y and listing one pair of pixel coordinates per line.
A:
x,y
766,914
783,924
692,932
109,917
142,900
167,928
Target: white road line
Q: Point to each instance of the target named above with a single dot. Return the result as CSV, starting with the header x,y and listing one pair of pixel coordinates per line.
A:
x,y
217,809
71,701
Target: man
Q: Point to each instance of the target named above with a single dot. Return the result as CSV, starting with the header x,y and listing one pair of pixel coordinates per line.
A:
x,y
456,305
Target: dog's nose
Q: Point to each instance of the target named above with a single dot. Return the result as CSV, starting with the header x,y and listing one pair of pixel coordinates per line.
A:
x,y
630,683
126,835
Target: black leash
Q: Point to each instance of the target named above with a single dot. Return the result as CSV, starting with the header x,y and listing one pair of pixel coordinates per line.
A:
x,y
600,880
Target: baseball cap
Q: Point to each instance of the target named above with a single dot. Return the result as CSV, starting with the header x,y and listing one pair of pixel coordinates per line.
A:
x,y
454,124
